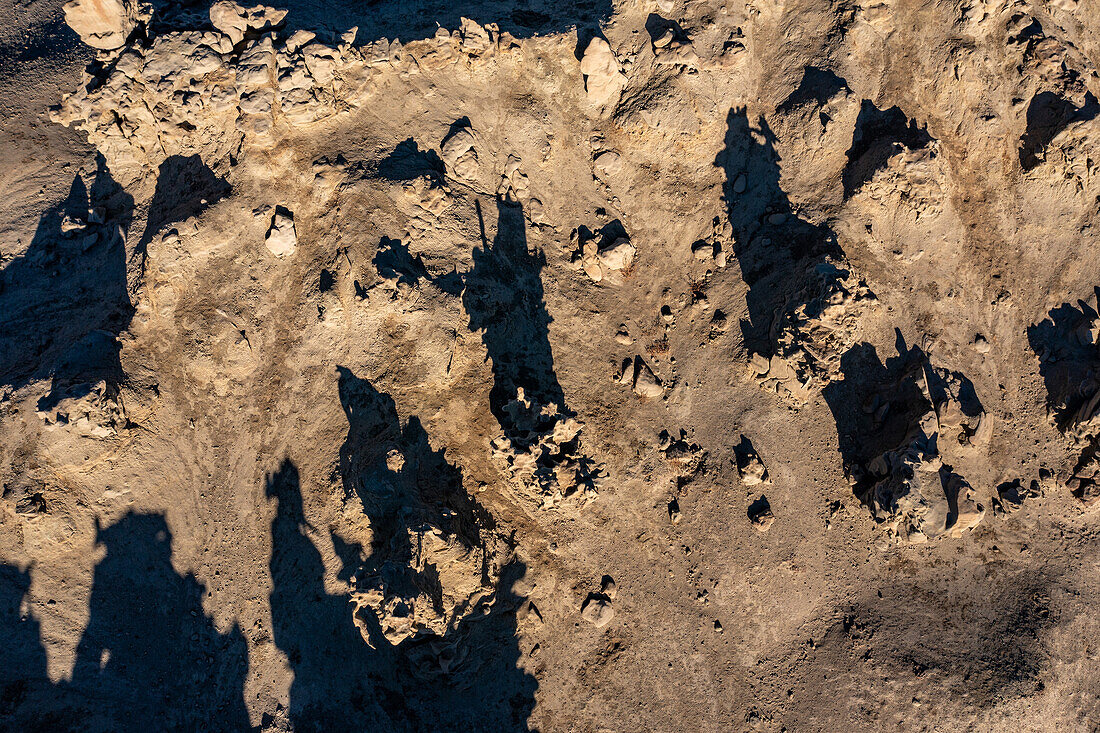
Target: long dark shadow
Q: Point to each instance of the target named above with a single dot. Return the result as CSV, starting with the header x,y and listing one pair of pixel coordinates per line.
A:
x,y
876,406
185,186
409,20
1068,358
149,659
335,672
24,686
774,246
504,298
63,302
350,671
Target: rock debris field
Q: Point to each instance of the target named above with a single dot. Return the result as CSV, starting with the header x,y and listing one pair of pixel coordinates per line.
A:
x,y
669,365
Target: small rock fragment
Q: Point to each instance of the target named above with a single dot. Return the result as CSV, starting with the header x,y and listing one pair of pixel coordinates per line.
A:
x,y
459,155
608,587
593,269
646,383
673,48
760,514
619,256
597,610
749,466
608,163
969,513
703,250
281,237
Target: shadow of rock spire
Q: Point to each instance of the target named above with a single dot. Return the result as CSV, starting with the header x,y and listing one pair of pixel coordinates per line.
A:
x,y
776,249
24,685
67,292
185,186
335,672
150,658
425,636
504,298
465,679
804,301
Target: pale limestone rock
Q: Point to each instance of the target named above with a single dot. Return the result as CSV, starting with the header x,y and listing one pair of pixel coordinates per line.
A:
x,y
475,38
619,256
672,52
545,455
820,325
609,263
321,62
459,155
92,410
281,238
703,250
753,472
235,21
908,488
597,610
646,383
608,163
761,516
103,24
298,40
604,79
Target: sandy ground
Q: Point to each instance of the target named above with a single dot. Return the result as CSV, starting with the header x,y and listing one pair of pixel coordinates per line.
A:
x,y
432,386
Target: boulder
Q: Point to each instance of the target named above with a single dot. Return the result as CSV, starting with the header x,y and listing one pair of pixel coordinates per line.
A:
x,y
281,238
103,24
604,79
597,610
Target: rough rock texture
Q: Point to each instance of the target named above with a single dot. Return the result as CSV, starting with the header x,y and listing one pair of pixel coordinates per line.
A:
x,y
105,24
674,365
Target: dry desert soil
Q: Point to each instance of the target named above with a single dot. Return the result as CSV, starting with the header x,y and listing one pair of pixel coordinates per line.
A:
x,y
518,365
